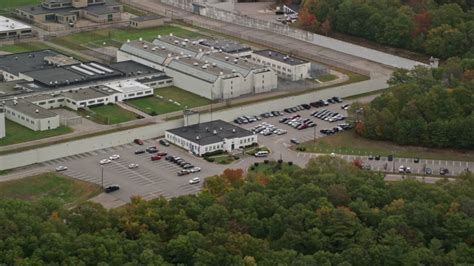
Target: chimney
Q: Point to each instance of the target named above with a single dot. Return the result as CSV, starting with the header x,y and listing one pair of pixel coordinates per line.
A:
x,y
214,132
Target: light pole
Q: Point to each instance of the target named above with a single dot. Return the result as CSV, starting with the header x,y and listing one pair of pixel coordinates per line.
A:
x,y
314,135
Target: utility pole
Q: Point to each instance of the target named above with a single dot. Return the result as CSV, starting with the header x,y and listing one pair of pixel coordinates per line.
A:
x,y
314,135
102,179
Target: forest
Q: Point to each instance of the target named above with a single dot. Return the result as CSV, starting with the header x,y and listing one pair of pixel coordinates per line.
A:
x,y
431,107
329,213
440,28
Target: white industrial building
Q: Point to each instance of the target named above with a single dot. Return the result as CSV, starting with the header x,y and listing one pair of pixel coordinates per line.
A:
x,y
2,123
199,69
287,67
210,137
10,28
30,115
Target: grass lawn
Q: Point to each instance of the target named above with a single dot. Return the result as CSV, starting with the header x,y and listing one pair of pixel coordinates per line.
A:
x,y
24,47
327,77
50,185
274,167
75,41
9,4
222,158
113,114
154,105
349,142
17,133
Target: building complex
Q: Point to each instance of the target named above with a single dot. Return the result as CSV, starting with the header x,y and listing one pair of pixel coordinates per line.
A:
x,y
10,28
286,66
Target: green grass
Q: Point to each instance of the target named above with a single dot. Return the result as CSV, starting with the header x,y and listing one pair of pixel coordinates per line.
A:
x,y
273,167
24,47
222,158
113,114
154,105
350,143
50,185
76,41
4,172
327,77
10,4
18,134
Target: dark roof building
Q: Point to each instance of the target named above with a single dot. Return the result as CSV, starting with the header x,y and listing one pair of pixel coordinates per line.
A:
x,y
283,58
27,61
227,46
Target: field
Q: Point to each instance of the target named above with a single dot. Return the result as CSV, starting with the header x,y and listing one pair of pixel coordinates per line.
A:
x,y
17,133
50,185
113,114
154,105
350,143
24,47
327,77
115,36
9,4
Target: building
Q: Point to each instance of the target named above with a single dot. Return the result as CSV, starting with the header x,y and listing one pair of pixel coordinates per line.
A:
x,y
30,115
12,65
68,12
287,67
210,137
229,47
143,22
2,123
199,69
10,28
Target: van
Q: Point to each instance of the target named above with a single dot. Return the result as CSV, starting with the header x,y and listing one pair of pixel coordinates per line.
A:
x,y
261,154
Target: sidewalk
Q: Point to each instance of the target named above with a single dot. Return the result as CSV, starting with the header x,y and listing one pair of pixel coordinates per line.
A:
x,y
133,110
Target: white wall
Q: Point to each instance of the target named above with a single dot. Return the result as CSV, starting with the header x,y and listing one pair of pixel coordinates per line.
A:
x,y
2,125
122,56
31,123
194,85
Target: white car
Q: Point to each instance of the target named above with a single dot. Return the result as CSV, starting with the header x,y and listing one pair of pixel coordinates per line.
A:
x,y
195,170
132,166
114,157
61,168
194,181
105,161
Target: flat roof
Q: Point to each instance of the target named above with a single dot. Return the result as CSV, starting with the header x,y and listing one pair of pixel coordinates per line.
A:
x,y
178,44
203,133
241,65
131,68
147,51
11,88
87,94
26,61
284,58
227,46
72,74
127,86
101,9
8,24
146,18
32,110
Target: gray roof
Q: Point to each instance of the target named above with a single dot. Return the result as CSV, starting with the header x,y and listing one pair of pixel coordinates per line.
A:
x,y
205,132
87,94
227,46
284,58
101,9
150,53
146,18
27,61
178,45
30,109
243,66
11,88
132,67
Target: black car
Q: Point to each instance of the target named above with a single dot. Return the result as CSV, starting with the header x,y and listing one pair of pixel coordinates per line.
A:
x,y
371,157
152,149
111,188
337,99
169,157
377,157
443,171
416,160
306,106
330,100
139,152
164,142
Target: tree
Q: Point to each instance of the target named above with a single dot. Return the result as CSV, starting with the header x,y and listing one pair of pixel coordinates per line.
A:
x,y
326,27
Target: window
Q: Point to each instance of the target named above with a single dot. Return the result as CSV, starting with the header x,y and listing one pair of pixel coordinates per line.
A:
x,y
100,100
41,103
51,101
169,81
149,92
60,100
131,95
91,102
140,93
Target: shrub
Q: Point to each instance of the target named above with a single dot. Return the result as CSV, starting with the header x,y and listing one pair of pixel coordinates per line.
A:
x,y
290,163
212,153
236,157
256,164
280,161
266,161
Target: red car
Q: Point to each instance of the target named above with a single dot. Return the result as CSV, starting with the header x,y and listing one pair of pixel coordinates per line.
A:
x,y
155,157
138,141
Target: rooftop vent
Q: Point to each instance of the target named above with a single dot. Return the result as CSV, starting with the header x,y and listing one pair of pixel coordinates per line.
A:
x,y
221,73
233,71
226,58
194,43
153,49
183,44
186,40
233,130
176,41
204,66
214,64
269,53
236,61
145,46
214,132
196,64
200,50
163,48
37,111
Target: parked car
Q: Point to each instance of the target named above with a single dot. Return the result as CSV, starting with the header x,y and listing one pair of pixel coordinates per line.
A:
x,y
152,149
132,166
390,158
105,161
337,99
139,151
183,172
428,171
195,170
416,160
155,157
111,188
371,157
443,171
164,142
294,141
114,157
261,154
61,168
138,141
377,157
161,154
194,180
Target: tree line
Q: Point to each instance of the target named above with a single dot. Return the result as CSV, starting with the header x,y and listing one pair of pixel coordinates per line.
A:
x,y
329,213
440,28
426,106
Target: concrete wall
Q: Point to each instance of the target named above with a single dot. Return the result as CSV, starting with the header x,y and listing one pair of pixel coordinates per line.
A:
x,y
51,152
2,124
320,40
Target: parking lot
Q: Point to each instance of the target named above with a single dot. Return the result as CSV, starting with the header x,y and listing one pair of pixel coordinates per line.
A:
x,y
150,179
